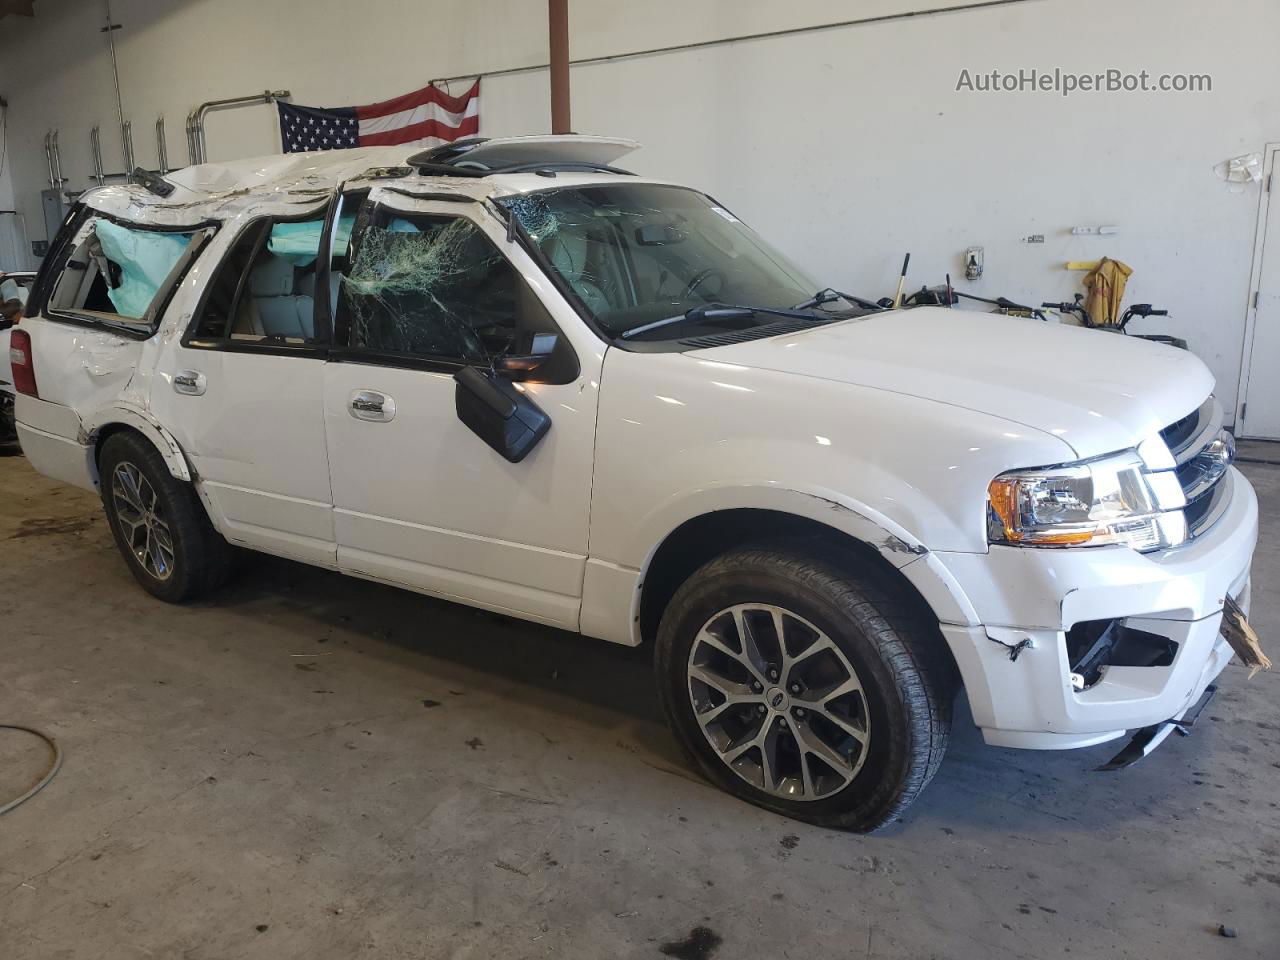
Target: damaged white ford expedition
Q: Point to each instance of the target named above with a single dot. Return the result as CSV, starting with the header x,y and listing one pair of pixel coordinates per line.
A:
x,y
508,374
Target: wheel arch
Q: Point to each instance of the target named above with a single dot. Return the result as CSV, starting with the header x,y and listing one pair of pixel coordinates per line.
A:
x,y
921,579
119,419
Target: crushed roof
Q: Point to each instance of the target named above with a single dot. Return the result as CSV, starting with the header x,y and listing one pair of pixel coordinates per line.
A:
x,y
224,189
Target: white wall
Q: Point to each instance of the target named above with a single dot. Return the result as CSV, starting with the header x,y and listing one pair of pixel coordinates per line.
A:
x,y
847,147
6,181
14,254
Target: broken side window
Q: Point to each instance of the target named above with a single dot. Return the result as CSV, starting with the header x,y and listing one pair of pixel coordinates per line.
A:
x,y
432,286
117,272
265,287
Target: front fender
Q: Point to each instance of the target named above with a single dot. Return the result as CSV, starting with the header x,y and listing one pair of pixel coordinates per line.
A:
x,y
831,509
811,501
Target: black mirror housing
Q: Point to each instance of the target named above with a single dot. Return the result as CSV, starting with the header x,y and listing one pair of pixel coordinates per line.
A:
x,y
498,413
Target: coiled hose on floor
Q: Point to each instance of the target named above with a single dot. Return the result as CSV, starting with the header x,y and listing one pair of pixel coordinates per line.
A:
x,y
49,775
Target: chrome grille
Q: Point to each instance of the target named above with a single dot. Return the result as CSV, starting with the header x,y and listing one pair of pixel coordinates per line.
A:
x,y
1203,452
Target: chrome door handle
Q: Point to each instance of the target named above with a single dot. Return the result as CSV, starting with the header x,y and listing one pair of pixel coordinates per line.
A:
x,y
372,406
190,382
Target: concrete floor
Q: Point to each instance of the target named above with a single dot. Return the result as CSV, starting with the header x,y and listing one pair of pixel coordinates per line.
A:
x,y
311,766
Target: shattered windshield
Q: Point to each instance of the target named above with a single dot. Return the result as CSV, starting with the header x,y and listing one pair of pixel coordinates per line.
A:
x,y
636,253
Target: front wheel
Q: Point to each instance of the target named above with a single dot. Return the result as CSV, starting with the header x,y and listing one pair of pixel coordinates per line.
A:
x,y
803,688
158,522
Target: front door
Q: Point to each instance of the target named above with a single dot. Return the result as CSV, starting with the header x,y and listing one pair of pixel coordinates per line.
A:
x,y
424,288
243,392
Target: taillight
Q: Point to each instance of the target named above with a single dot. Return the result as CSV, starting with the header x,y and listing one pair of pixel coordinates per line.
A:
x,y
24,368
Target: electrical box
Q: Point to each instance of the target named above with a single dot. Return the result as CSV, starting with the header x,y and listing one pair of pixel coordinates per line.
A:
x,y
974,263
13,242
54,204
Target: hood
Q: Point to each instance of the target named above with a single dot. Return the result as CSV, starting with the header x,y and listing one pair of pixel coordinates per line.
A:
x,y
1098,391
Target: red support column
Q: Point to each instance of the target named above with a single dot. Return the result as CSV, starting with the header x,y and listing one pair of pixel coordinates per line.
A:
x,y
558,16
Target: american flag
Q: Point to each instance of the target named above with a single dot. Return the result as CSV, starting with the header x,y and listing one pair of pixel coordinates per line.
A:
x,y
428,116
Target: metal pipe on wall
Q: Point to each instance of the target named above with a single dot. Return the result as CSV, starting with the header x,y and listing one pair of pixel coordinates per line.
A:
x,y
95,155
162,148
191,143
59,179
126,137
195,119
126,133
741,38
48,157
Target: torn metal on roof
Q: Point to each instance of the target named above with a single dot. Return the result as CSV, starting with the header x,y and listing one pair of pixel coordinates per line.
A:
x,y
287,182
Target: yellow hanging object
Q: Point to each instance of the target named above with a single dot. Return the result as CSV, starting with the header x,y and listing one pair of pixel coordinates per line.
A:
x,y
1106,283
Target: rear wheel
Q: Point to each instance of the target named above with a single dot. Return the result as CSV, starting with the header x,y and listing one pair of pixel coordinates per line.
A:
x,y
803,688
159,523
8,426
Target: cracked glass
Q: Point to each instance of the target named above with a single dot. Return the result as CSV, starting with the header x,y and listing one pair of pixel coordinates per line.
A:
x,y
431,286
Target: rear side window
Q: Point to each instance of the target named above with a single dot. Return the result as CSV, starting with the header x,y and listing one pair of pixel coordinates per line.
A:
x,y
264,290
121,275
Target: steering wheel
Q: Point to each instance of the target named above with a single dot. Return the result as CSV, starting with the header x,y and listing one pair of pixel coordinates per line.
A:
x,y
701,277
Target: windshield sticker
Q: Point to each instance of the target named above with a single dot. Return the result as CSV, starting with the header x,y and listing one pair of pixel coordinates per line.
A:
x,y
726,214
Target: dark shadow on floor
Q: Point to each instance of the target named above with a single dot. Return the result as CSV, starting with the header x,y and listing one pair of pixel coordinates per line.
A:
x,y
978,787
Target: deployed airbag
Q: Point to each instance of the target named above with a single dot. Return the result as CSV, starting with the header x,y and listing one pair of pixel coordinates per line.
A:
x,y
145,258
299,242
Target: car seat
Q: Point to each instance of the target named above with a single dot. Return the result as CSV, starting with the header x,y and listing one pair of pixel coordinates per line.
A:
x,y
568,254
278,308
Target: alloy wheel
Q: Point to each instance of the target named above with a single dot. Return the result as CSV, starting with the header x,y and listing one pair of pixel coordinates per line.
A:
x,y
778,701
142,521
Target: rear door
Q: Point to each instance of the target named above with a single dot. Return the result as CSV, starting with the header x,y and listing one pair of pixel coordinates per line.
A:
x,y
242,392
428,287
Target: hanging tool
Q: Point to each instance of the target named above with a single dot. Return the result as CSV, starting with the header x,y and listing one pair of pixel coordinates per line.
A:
x,y
902,281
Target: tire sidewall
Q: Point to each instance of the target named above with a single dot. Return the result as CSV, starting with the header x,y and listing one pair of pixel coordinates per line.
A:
x,y
877,783
173,500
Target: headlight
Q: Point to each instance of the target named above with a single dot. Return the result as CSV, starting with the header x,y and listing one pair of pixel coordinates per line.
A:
x,y
1132,498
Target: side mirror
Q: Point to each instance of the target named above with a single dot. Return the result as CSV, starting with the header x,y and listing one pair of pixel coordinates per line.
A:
x,y
498,413
529,352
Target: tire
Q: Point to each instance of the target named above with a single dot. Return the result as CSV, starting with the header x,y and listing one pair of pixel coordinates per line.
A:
x,y
8,424
835,622
158,522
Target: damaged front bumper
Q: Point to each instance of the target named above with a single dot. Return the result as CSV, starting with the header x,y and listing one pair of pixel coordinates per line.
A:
x,y
1148,738
1145,644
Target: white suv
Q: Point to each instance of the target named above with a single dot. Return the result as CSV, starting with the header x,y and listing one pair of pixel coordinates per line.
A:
x,y
506,373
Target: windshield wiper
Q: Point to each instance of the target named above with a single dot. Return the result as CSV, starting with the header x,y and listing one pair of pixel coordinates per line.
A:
x,y
827,294
720,311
